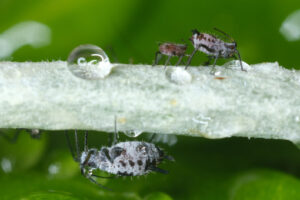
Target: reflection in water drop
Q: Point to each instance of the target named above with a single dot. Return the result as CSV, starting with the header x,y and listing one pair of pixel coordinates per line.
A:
x,y
89,62
178,75
168,139
290,28
6,165
25,33
133,133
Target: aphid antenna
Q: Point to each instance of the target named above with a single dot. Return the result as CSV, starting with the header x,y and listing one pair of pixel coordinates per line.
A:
x,y
86,141
77,145
225,34
100,185
116,135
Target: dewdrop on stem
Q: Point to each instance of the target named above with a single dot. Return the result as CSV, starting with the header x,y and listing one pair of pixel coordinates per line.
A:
x,y
89,62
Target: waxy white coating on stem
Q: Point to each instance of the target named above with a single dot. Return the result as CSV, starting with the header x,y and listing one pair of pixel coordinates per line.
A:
x,y
263,102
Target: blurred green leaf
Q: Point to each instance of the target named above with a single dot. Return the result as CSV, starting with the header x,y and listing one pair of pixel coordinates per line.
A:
x,y
24,153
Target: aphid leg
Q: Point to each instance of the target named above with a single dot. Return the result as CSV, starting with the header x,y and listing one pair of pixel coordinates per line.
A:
x,y
157,58
86,141
179,60
100,185
152,138
213,71
107,177
190,58
77,146
167,61
115,135
238,53
11,139
156,169
208,62
70,146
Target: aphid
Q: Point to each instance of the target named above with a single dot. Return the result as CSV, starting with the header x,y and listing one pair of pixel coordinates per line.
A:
x,y
34,133
131,158
170,50
214,47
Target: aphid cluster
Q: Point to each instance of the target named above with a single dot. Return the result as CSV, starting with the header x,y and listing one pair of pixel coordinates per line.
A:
x,y
130,158
209,44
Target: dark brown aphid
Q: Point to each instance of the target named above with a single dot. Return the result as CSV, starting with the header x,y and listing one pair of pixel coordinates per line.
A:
x,y
214,47
170,50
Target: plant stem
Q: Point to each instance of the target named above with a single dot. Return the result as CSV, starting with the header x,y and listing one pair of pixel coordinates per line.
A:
x,y
263,102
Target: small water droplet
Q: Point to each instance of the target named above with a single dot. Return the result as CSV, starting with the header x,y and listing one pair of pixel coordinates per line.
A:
x,y
235,64
178,75
133,133
297,119
89,62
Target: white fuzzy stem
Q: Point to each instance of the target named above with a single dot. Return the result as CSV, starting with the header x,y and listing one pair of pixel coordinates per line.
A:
x,y
263,102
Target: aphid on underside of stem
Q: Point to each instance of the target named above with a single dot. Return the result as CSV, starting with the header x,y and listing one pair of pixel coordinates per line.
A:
x,y
170,50
131,158
214,47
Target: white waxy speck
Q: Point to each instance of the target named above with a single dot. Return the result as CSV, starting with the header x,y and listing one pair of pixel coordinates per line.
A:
x,y
89,62
6,165
178,75
218,73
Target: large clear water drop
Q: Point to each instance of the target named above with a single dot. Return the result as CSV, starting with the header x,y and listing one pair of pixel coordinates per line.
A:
x,y
89,62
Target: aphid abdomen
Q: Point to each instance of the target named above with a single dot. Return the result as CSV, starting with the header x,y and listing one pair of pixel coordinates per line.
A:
x,y
171,49
134,159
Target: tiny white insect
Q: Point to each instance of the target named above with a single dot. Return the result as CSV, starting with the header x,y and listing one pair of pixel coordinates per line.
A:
x,y
131,158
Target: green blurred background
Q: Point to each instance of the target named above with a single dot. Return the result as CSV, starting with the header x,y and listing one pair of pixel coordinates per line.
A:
x,y
129,31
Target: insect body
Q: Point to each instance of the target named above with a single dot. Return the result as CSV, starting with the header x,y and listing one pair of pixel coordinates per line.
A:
x,y
170,50
131,158
214,47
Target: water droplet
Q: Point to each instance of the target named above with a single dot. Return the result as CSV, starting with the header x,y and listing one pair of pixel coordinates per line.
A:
x,y
89,62
297,119
235,64
178,75
133,133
